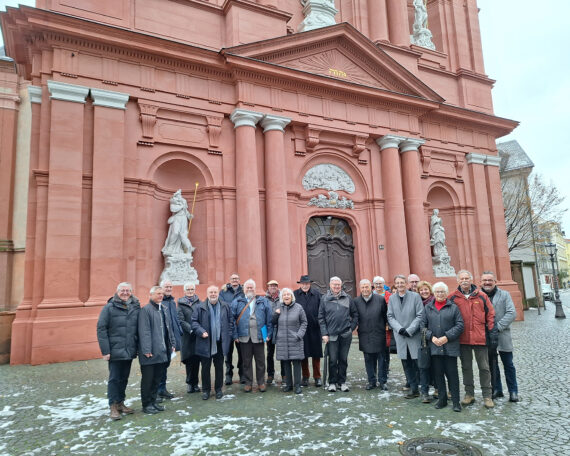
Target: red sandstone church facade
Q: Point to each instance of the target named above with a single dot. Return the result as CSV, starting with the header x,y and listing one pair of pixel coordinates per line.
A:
x,y
132,100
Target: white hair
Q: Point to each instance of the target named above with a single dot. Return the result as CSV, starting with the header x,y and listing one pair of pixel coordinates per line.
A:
x,y
290,291
249,281
187,285
378,279
440,285
163,282
335,279
124,284
464,271
363,281
155,289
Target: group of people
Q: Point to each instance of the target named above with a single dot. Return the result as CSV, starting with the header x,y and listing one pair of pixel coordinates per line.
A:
x,y
293,325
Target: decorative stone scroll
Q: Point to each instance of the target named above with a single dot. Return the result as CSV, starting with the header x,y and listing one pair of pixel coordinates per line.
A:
x,y
421,34
177,250
332,201
328,177
318,13
441,260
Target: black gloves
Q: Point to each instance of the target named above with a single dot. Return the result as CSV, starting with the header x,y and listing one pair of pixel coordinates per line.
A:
x,y
402,332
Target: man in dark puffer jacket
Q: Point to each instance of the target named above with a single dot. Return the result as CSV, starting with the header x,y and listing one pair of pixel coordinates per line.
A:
x,y
118,340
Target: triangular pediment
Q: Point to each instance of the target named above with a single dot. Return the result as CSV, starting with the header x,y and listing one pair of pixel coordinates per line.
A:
x,y
340,52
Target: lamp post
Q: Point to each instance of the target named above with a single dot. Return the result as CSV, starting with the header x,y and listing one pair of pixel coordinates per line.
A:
x,y
551,250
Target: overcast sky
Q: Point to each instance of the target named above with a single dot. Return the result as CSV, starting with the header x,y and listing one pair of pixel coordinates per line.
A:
x,y
526,51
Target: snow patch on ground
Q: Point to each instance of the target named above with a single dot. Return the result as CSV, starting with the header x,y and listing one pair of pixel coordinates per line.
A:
x,y
6,411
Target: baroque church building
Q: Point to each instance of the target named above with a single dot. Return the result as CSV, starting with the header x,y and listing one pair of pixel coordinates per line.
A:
x,y
316,136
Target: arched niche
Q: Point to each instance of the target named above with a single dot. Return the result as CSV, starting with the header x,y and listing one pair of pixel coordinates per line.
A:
x,y
442,198
169,174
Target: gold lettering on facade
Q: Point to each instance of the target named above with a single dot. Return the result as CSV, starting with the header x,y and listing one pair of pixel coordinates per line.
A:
x,y
337,73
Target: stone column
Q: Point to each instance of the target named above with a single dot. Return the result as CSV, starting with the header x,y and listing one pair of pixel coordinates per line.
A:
x,y
482,229
398,20
248,218
378,20
497,211
276,210
64,195
416,222
107,207
394,220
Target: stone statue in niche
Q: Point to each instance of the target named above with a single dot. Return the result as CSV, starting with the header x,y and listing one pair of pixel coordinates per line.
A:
x,y
440,259
421,34
329,177
177,250
332,201
318,13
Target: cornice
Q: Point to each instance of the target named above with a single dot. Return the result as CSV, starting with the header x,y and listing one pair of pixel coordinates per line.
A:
x,y
477,159
109,99
67,92
35,93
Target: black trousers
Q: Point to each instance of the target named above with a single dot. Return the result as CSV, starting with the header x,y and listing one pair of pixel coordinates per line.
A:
x,y
151,376
446,366
229,360
162,383
270,359
218,360
374,363
292,371
118,378
192,368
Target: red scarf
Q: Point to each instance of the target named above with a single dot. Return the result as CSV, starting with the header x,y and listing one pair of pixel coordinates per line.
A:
x,y
439,304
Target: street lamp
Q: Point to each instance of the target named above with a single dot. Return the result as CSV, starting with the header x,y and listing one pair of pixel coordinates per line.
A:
x,y
551,250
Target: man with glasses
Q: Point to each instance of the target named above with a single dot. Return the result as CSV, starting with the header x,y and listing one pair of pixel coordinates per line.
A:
x,y
228,293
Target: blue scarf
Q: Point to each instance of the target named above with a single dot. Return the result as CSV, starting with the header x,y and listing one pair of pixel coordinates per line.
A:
x,y
215,329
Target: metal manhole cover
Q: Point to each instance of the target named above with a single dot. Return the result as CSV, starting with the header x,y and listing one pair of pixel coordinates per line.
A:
x,y
431,446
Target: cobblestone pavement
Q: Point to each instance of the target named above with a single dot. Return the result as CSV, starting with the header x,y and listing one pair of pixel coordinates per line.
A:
x,y
62,409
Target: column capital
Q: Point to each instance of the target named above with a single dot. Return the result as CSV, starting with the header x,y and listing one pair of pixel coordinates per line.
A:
x,y
241,117
67,92
35,93
493,161
109,99
390,141
270,122
478,159
411,144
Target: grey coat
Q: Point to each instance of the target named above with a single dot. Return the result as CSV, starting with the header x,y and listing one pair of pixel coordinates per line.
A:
x,y
291,327
505,314
151,336
407,315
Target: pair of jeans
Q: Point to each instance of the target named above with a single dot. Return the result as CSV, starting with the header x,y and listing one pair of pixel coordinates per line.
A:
x,y
338,358
151,374
292,371
162,383
510,371
374,362
249,350
446,366
411,370
218,360
316,362
119,372
229,361
482,358
192,368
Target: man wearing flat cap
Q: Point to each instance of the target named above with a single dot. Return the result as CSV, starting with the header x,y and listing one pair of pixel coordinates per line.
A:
x,y
310,299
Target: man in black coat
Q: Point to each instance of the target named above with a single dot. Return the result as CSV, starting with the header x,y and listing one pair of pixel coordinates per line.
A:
x,y
169,305
310,300
213,326
118,339
156,345
186,307
228,293
371,331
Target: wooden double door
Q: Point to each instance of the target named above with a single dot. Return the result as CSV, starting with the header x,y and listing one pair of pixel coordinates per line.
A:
x,y
330,252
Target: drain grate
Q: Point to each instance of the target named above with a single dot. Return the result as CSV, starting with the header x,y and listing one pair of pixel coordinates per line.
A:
x,y
432,446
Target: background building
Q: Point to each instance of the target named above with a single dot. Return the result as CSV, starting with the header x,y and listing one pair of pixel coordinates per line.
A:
x,y
321,140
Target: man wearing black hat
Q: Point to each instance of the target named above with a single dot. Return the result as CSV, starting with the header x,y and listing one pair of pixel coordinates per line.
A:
x,y
310,299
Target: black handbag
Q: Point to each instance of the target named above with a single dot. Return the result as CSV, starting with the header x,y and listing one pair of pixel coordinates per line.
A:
x,y
424,352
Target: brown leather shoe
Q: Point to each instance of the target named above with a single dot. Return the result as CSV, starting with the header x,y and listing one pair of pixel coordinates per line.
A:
x,y
262,388
488,402
247,388
467,400
115,414
124,409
